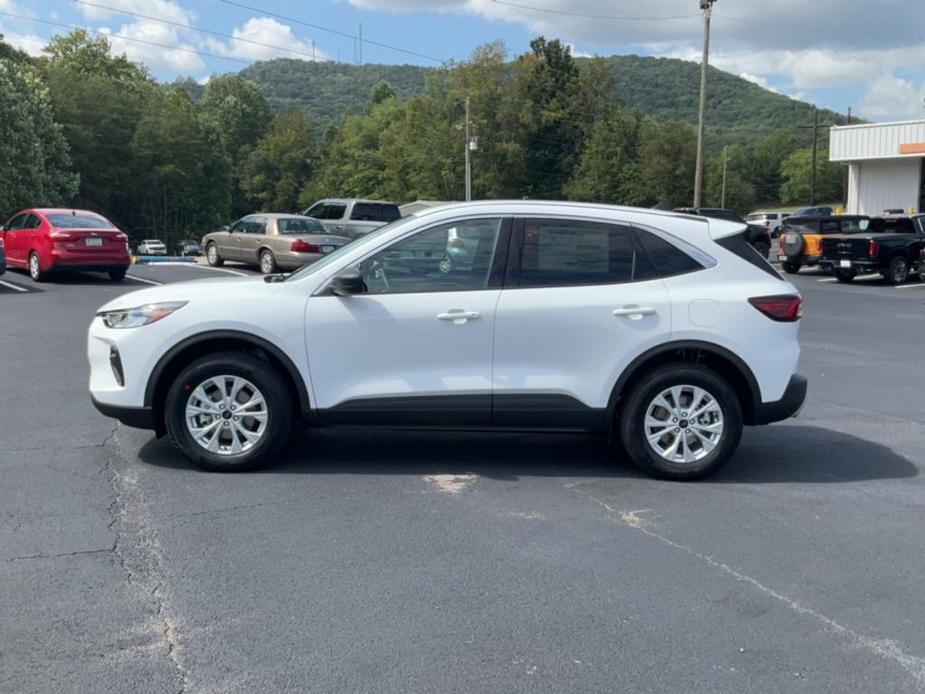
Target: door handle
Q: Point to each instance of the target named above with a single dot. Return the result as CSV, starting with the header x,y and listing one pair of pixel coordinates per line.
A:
x,y
458,316
635,312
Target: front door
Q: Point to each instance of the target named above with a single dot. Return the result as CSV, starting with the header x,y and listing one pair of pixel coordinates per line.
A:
x,y
581,300
415,348
16,240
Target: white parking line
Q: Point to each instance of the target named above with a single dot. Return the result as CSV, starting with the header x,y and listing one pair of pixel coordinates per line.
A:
x,y
146,281
13,286
909,286
217,269
862,278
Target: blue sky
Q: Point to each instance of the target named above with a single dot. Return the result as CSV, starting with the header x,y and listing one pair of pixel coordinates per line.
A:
x,y
836,53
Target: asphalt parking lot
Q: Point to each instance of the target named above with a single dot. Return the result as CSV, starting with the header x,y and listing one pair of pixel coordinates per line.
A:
x,y
410,562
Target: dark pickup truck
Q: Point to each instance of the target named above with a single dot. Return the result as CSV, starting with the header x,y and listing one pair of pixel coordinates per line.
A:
x,y
890,245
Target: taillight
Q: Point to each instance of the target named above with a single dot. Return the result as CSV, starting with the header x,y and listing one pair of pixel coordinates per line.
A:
x,y
1,242
786,308
63,236
873,248
300,246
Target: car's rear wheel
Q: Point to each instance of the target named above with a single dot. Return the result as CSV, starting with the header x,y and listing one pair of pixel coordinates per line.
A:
x,y
681,422
790,267
898,271
267,262
845,276
117,275
212,256
35,268
228,412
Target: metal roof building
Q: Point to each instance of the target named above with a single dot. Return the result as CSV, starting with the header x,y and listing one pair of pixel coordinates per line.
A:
x,y
886,165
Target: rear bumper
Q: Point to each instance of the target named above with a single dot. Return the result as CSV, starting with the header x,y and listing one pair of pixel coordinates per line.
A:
x,y
788,406
137,417
869,265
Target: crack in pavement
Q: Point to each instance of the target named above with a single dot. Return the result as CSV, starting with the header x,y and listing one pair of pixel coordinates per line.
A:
x,y
136,548
884,648
102,550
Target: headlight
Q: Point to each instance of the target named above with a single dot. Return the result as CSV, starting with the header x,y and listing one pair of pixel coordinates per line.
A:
x,y
140,315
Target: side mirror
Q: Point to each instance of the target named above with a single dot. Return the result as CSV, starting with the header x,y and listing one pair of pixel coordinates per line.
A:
x,y
348,282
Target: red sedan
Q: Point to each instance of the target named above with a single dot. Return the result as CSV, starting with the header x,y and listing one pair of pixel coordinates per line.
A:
x,y
44,240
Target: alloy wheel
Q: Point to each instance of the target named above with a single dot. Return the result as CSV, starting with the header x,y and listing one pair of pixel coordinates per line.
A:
x,y
226,415
683,424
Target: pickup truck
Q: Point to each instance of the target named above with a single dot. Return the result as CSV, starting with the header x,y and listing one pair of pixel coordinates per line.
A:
x,y
352,218
891,245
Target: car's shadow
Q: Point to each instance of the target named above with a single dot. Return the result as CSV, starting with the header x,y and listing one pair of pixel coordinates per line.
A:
x,y
802,454
71,278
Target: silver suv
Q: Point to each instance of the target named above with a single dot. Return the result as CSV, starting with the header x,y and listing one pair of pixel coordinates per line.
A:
x,y
353,218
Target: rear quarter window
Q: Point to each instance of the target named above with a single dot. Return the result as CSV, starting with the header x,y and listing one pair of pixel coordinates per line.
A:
x,y
375,212
738,245
667,260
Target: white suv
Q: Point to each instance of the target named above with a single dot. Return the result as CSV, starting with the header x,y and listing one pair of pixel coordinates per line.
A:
x,y
667,331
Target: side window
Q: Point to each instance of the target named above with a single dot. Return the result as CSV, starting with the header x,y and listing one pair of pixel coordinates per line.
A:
x,y
335,211
573,253
258,225
33,222
239,226
666,259
456,256
18,222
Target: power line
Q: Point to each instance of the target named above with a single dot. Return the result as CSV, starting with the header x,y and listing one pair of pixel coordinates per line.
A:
x,y
199,29
592,16
129,38
390,47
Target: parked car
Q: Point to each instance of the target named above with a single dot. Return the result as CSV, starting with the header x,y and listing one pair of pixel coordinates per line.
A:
x,y
891,245
2,255
664,330
769,220
800,241
757,234
813,212
43,240
151,247
353,218
189,247
272,241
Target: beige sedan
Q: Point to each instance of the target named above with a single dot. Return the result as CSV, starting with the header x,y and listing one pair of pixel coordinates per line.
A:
x,y
271,241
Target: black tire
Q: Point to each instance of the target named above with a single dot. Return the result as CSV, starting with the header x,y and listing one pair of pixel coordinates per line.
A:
x,y
844,276
898,271
213,257
264,377
117,275
35,268
790,267
267,262
633,413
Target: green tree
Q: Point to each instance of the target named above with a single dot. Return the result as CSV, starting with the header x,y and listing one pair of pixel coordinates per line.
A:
x,y
796,172
185,179
381,92
763,165
609,160
740,192
35,166
664,171
278,168
237,110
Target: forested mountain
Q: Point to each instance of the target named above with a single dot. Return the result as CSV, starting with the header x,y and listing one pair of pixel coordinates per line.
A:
x,y
740,112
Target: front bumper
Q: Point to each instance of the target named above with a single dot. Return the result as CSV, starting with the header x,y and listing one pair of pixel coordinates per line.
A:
x,y
790,404
137,417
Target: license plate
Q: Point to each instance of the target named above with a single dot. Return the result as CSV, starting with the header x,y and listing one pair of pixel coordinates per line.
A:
x,y
844,263
782,257
93,242
327,249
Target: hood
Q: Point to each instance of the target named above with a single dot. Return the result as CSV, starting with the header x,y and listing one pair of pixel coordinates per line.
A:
x,y
188,291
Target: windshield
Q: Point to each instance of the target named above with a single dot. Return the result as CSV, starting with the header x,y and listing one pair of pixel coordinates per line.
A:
x,y
299,225
79,221
333,256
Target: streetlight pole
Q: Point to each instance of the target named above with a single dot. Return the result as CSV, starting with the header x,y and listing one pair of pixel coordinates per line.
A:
x,y
468,162
707,7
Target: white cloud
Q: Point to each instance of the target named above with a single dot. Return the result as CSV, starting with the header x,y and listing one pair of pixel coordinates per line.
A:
x,y
30,43
162,9
154,43
893,98
262,38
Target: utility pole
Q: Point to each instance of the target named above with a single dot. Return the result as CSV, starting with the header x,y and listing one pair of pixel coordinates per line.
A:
x,y
812,180
360,43
723,196
468,162
707,7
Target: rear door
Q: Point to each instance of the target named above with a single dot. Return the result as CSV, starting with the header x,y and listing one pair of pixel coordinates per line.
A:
x,y
254,236
16,241
580,301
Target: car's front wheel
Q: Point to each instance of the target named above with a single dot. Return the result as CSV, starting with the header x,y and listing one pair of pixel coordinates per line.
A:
x,y
215,260
681,422
228,412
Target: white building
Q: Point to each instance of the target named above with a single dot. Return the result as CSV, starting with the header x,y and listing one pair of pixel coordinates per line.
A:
x,y
886,165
